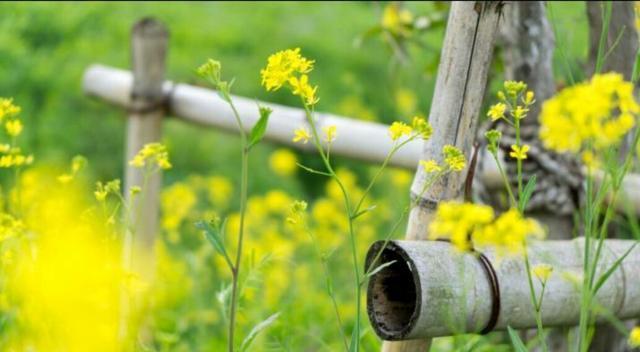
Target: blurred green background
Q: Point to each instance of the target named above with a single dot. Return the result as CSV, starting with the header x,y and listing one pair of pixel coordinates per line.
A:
x,y
45,48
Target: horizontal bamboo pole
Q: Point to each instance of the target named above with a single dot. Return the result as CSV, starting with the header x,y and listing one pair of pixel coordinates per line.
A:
x,y
431,290
362,140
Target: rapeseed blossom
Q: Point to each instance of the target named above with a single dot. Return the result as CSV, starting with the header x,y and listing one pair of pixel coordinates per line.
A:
x,y
289,67
399,129
13,127
430,166
496,111
422,127
152,154
301,135
454,158
542,272
7,108
458,222
508,233
330,133
519,152
589,115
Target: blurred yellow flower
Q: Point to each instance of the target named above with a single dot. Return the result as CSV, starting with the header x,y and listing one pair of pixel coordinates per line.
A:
x,y
458,222
519,152
396,20
454,158
589,115
520,112
430,166
220,190
529,98
301,135
497,111
152,154
542,272
7,108
399,129
406,101
302,88
421,126
508,233
634,337
330,133
176,201
283,162
13,127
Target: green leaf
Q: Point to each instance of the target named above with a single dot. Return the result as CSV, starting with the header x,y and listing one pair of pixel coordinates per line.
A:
x,y
258,130
214,234
613,268
363,211
257,329
527,192
516,341
379,268
313,171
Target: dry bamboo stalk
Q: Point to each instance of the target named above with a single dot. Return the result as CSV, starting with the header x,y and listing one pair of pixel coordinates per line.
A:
x,y
149,41
462,75
366,141
433,290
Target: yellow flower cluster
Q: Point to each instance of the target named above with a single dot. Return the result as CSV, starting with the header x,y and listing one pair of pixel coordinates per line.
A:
x,y
454,160
15,160
396,20
634,337
519,152
301,134
465,224
419,127
152,154
290,67
7,108
459,222
594,114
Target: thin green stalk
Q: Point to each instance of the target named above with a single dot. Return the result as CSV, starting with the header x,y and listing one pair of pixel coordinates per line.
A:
x,y
604,33
505,180
235,270
349,211
534,300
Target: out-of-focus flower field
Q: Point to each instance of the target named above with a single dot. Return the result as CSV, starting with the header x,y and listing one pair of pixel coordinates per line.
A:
x,y
61,277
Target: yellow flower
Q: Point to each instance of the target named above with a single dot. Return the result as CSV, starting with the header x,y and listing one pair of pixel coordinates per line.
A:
x,y
520,112
152,154
13,127
303,89
396,20
7,108
519,152
421,126
634,337
282,66
508,233
529,98
283,162
454,158
330,133
430,166
399,129
496,111
134,190
514,88
458,221
542,272
301,134
296,211
589,115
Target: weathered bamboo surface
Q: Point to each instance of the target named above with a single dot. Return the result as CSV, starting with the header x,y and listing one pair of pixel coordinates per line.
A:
x,y
360,140
432,290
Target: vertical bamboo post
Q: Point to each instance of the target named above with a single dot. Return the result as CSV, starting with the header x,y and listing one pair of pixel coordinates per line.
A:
x,y
462,76
149,39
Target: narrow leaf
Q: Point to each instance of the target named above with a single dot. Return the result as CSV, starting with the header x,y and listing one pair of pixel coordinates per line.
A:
x,y
516,341
363,211
612,269
257,329
527,192
380,268
313,171
258,130
214,236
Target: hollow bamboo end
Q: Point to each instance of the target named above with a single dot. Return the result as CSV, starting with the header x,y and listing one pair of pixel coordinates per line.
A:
x,y
394,294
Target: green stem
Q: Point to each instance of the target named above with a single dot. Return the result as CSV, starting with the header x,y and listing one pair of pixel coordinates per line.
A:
x,y
505,180
235,269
